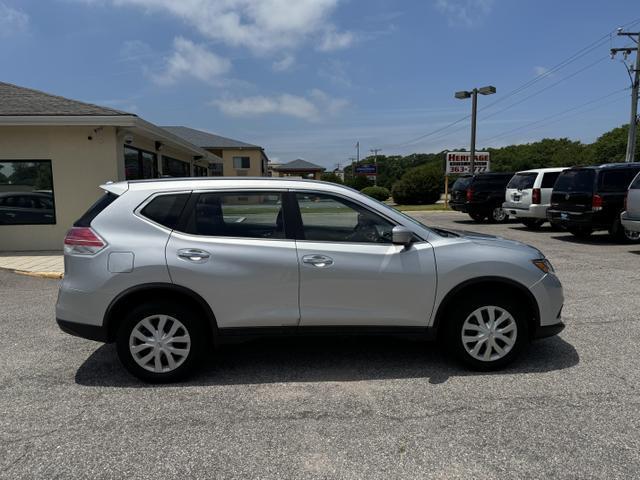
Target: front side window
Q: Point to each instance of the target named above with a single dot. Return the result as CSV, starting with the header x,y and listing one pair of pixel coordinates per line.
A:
x,y
139,164
241,162
26,193
234,214
326,218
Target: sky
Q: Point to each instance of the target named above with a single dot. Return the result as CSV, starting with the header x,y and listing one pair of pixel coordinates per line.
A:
x,y
311,78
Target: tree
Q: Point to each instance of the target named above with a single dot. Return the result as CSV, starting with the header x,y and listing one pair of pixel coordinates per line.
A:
x,y
611,146
331,177
379,193
358,182
420,185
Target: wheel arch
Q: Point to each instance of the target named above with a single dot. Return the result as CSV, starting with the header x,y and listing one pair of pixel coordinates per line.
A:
x,y
490,283
149,292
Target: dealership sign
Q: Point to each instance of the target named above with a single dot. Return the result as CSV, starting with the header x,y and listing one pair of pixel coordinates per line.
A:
x,y
366,170
460,162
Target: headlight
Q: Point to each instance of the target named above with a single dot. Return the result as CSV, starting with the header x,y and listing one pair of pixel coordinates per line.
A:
x,y
544,265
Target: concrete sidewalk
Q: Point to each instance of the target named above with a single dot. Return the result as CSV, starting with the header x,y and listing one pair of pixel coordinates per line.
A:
x,y
42,263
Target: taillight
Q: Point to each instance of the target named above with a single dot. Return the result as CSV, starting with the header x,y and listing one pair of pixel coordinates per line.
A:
x,y
469,194
83,241
596,203
535,196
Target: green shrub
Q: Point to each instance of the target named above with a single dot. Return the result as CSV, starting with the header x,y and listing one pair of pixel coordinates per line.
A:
x,y
379,193
420,185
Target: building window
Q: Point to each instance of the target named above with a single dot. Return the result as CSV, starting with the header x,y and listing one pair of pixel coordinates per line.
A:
x,y
217,170
199,171
26,193
139,164
241,162
173,167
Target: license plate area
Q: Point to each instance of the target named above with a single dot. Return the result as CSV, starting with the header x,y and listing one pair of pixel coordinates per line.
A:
x,y
564,216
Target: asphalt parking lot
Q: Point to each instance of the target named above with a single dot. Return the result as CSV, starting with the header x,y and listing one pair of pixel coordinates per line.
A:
x,y
340,408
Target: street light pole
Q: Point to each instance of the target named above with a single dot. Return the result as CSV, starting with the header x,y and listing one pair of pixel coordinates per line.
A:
x,y
474,111
473,94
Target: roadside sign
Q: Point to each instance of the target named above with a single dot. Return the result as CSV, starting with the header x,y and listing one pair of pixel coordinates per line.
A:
x,y
460,162
367,170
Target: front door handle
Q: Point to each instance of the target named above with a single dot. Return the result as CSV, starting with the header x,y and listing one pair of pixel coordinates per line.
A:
x,y
319,261
194,255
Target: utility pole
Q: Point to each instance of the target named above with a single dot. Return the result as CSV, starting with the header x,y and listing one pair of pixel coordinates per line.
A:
x,y
473,94
353,167
634,75
375,162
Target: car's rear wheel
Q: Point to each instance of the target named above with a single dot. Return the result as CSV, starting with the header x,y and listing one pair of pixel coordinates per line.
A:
x,y
621,234
488,332
580,232
532,223
160,342
477,217
499,215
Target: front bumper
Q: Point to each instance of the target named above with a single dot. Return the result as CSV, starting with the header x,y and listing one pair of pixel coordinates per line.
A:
x,y
548,330
629,223
550,298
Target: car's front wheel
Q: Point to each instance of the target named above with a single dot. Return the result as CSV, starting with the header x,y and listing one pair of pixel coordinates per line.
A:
x,y
160,342
488,332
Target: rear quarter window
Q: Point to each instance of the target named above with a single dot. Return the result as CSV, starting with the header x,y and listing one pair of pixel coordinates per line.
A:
x,y
166,209
549,179
577,180
94,210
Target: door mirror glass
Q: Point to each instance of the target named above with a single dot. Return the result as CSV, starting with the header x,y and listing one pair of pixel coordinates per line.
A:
x,y
401,236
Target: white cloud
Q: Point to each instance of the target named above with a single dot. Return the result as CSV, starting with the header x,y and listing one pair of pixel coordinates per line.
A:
x,y
311,108
541,71
260,25
465,13
12,21
284,64
334,40
189,59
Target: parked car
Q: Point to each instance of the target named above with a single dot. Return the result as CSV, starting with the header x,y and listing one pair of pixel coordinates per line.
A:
x,y
26,208
631,216
481,196
528,195
168,268
587,199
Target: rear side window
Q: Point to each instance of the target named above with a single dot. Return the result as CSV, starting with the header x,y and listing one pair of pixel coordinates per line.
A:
x,y
522,181
575,181
549,179
245,215
166,209
492,182
635,185
95,210
616,180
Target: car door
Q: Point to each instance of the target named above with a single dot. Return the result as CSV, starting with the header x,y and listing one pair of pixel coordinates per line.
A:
x,y
350,272
232,248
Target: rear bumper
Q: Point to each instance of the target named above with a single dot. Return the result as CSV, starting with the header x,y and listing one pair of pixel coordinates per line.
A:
x,y
630,223
571,219
90,332
533,211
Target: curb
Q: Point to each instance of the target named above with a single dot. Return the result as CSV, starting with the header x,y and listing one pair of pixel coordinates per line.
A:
x,y
50,275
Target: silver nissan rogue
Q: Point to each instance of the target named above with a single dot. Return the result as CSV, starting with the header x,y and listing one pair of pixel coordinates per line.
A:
x,y
169,268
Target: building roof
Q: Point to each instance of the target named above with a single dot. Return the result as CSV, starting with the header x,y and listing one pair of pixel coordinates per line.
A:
x,y
206,139
21,101
299,165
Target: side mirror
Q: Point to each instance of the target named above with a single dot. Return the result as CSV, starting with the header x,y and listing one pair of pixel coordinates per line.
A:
x,y
401,236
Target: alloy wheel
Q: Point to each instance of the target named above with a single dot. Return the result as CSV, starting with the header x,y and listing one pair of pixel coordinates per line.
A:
x,y
159,343
499,215
489,333
631,235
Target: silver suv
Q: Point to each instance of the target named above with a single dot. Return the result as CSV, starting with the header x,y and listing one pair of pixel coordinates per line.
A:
x,y
169,268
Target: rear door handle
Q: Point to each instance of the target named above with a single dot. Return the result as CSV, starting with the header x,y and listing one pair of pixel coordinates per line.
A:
x,y
194,255
319,261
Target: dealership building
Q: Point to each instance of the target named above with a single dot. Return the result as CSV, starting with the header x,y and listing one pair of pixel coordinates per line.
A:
x,y
55,152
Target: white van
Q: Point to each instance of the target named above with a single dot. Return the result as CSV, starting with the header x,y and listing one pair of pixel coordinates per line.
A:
x,y
631,216
528,195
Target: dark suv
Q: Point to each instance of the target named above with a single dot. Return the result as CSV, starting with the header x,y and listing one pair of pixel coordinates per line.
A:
x,y
586,199
481,196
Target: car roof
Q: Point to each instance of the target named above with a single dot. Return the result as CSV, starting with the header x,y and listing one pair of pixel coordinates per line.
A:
x,y
608,166
543,170
203,183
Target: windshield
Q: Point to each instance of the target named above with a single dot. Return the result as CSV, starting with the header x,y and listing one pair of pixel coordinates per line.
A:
x,y
461,183
579,180
522,181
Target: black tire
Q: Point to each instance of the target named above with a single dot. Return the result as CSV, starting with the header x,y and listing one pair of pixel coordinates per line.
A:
x,y
189,320
580,232
532,223
477,217
498,215
463,310
620,234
